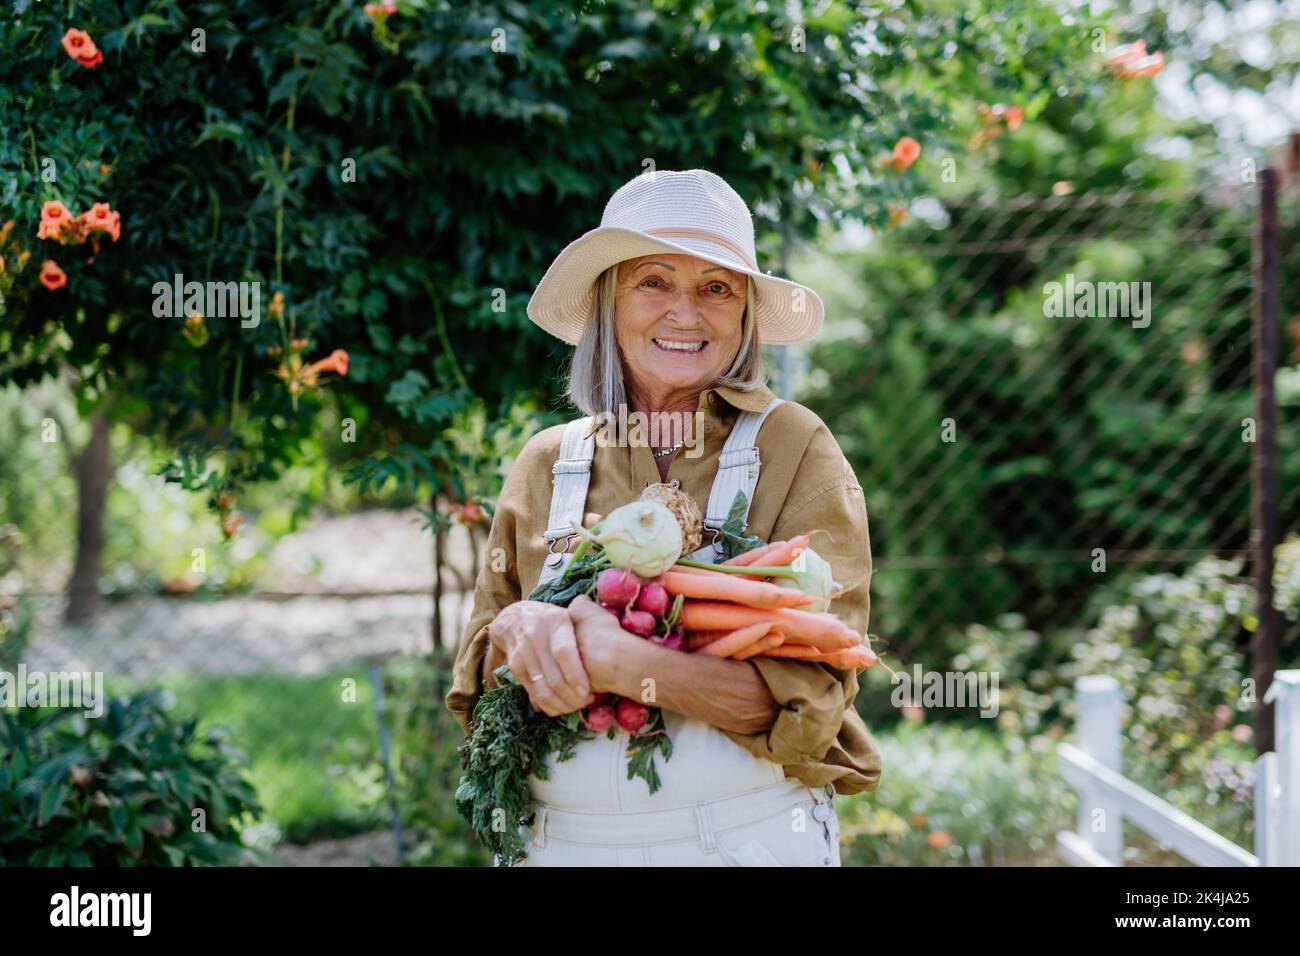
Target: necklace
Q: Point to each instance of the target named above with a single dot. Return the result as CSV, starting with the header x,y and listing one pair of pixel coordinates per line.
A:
x,y
665,452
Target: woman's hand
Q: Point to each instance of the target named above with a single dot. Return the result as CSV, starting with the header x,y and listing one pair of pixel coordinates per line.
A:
x,y
537,641
602,642
731,695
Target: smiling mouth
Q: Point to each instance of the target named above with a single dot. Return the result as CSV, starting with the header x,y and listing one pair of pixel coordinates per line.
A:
x,y
673,345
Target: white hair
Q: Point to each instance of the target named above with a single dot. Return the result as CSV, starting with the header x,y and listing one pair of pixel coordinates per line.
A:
x,y
595,375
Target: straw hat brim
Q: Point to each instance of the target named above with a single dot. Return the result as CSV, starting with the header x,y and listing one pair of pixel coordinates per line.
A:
x,y
786,312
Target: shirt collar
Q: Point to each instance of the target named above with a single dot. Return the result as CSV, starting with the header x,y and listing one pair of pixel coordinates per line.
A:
x,y
754,400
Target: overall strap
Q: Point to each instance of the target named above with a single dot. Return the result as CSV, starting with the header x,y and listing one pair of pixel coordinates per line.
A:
x,y
572,471
738,468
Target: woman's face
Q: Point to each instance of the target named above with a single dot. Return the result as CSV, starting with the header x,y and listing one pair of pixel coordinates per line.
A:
x,y
677,320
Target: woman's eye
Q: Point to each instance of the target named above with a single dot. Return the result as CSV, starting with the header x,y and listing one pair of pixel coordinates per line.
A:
x,y
719,288
652,282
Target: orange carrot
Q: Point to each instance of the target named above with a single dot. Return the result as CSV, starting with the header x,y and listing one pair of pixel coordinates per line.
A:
x,y
697,639
776,554
752,557
769,643
800,652
803,627
785,553
853,658
737,640
716,615
688,569
717,586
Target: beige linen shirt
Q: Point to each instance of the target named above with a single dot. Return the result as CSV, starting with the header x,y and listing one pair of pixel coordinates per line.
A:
x,y
805,485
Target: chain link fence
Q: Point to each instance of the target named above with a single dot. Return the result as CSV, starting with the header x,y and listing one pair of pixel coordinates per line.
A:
x,y
1045,397
292,674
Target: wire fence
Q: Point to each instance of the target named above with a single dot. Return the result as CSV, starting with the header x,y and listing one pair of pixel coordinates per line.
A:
x,y
292,675
1048,396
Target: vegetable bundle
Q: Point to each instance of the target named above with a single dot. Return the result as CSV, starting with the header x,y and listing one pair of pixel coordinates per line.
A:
x,y
765,599
732,610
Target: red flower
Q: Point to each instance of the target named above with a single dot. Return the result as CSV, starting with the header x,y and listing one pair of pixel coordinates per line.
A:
x,y
99,217
54,219
81,48
78,44
52,277
115,226
471,513
1131,60
1013,116
336,362
906,150
1127,53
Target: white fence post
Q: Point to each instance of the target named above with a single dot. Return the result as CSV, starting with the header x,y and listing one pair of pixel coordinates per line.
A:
x,y
1284,694
1266,808
1101,822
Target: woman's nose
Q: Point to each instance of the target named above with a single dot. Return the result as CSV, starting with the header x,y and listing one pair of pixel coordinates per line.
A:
x,y
683,309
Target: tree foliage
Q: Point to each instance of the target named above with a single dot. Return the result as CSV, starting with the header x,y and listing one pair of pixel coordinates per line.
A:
x,y
403,180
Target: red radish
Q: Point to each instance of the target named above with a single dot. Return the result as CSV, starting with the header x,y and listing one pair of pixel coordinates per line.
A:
x,y
600,717
617,587
631,715
599,698
676,641
639,623
653,599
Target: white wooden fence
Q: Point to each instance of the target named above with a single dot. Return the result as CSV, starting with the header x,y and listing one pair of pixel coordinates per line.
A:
x,y
1107,798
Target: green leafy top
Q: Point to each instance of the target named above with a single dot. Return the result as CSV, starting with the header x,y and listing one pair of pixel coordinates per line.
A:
x,y
733,539
509,742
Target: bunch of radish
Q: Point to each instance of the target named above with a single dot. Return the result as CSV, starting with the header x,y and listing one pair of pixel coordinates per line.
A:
x,y
644,608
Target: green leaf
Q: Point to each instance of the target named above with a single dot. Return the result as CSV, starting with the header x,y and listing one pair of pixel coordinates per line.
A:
x,y
118,817
407,389
733,539
51,802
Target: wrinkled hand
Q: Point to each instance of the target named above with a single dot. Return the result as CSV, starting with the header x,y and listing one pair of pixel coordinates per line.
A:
x,y
538,642
599,635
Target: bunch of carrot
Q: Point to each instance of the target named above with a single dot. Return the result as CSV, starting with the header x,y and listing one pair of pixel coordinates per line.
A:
x,y
740,616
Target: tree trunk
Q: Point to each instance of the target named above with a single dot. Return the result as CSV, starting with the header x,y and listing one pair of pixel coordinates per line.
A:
x,y
93,469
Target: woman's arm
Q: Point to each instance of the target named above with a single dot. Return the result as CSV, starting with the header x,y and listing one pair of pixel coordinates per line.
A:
x,y
728,694
536,640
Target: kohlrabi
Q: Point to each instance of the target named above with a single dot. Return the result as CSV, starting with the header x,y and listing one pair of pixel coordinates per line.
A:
x,y
642,537
811,575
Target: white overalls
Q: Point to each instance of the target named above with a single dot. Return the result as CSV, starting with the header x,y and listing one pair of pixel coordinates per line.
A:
x,y
719,804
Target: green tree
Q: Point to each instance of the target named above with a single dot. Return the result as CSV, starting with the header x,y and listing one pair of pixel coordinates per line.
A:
x,y
402,183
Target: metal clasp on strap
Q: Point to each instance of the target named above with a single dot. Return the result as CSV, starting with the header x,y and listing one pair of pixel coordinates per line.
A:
x,y
717,535
556,557
825,808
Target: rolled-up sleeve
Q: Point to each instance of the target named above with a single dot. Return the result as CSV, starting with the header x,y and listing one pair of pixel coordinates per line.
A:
x,y
818,735
811,698
496,587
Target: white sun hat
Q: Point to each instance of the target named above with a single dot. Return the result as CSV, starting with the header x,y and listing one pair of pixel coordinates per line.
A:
x,y
692,212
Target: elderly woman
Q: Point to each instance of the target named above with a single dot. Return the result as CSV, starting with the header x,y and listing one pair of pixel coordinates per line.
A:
x,y
668,308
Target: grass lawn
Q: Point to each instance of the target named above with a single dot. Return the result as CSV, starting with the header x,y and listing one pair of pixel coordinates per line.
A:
x,y
312,755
